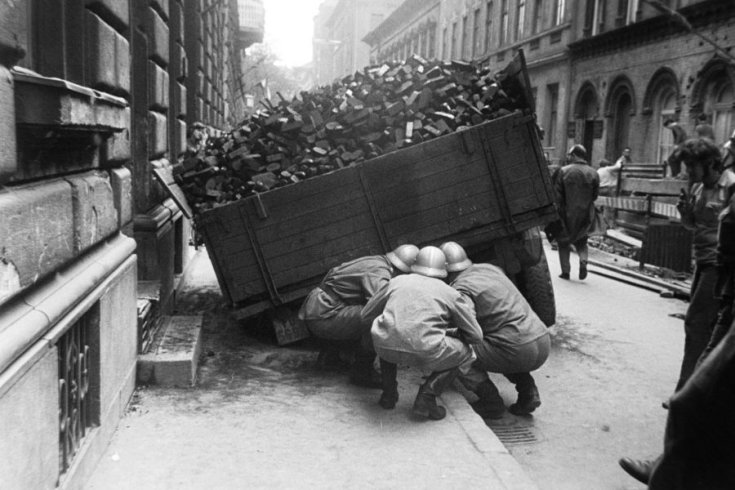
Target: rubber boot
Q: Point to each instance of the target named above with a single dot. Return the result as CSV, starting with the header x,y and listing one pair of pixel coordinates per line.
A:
x,y
528,395
388,373
425,403
491,404
363,371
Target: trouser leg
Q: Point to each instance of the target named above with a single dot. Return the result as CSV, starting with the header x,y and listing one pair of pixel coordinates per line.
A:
x,y
528,395
583,253
699,321
425,403
564,251
388,374
363,369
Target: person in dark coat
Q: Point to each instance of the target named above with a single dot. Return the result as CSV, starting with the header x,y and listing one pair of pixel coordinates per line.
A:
x,y
577,187
331,311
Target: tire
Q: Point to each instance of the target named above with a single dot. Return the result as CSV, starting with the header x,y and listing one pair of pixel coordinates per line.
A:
x,y
535,284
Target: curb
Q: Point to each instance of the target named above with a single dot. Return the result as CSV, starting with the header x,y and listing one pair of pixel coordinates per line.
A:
x,y
500,461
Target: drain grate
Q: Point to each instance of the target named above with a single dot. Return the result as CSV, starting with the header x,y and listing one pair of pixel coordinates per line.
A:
x,y
514,434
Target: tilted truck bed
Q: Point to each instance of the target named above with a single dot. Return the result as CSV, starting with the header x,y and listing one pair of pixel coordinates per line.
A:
x,y
473,186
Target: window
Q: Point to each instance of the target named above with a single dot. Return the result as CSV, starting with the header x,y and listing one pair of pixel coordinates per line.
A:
x,y
666,110
476,34
558,11
488,25
632,14
503,22
598,25
432,42
464,53
455,46
445,40
538,12
721,106
520,19
552,97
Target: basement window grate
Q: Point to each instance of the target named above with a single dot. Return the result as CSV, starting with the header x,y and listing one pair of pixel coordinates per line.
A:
x,y
78,385
514,434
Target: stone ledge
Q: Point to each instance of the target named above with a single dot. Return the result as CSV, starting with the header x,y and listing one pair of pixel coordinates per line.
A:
x,y
174,361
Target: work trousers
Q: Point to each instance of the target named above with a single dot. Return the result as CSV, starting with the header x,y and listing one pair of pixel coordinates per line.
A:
x,y
699,320
452,353
501,358
565,249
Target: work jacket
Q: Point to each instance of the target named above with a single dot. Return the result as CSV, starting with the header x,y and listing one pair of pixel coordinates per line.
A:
x,y
577,187
414,313
502,312
351,283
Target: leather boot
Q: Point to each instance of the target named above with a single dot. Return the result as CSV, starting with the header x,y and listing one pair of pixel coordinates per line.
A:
x,y
425,403
528,395
491,404
639,469
389,397
363,371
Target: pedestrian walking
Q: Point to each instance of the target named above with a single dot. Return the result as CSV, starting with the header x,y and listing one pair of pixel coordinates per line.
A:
x,y
576,187
514,339
421,321
332,311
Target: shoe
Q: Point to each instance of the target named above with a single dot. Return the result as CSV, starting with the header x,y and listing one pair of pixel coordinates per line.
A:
x,y
490,404
665,404
582,270
564,275
388,400
528,401
638,469
425,406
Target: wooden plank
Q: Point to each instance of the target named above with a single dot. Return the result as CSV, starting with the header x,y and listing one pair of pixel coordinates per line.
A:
x,y
292,226
653,186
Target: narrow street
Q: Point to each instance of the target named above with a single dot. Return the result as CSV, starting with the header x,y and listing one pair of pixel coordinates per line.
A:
x,y
616,354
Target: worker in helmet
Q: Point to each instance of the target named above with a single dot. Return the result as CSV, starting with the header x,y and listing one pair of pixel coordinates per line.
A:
x,y
413,318
515,340
331,311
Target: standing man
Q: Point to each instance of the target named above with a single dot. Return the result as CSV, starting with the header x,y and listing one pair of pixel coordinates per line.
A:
x,y
699,210
514,340
421,321
331,311
577,188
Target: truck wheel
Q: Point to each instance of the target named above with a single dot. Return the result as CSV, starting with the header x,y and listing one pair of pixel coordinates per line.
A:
x,y
535,284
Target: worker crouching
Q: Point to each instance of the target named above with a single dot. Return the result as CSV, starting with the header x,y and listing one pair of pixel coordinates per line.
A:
x,y
332,311
420,321
515,340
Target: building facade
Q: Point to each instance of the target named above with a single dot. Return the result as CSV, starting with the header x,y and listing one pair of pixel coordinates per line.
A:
x,y
338,44
635,66
489,33
96,97
605,73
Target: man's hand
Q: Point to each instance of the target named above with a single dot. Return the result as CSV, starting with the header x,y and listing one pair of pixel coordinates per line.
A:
x,y
686,202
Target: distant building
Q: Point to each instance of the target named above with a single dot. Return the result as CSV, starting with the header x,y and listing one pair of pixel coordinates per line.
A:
x,y
634,66
604,73
341,34
251,15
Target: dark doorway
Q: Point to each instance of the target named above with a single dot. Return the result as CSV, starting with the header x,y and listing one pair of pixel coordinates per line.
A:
x,y
622,124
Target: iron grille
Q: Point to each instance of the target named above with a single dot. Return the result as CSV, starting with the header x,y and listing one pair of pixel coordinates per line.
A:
x,y
75,407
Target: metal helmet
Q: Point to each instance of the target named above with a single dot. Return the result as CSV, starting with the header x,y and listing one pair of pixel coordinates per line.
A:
x,y
403,256
430,262
457,259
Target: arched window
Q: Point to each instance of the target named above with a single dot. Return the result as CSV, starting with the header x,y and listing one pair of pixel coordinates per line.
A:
x,y
661,102
586,110
619,108
713,96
